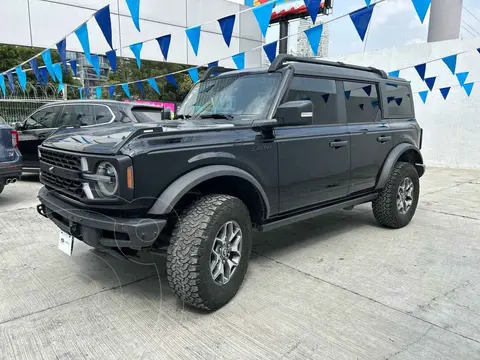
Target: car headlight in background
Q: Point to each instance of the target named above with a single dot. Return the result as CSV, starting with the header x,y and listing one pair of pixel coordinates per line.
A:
x,y
107,179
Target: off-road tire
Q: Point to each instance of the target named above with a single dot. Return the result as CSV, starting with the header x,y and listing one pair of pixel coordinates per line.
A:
x,y
2,186
385,206
188,269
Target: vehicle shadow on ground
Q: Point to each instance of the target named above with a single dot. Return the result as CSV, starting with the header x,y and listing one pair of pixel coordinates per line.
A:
x,y
30,178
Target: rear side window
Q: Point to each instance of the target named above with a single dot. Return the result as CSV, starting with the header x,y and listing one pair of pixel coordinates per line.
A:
x,y
77,115
323,95
103,114
362,102
399,100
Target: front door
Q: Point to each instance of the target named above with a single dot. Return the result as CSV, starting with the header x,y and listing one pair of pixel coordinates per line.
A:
x,y
314,160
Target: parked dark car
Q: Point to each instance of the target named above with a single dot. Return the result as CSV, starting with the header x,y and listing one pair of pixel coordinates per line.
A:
x,y
10,157
72,113
253,149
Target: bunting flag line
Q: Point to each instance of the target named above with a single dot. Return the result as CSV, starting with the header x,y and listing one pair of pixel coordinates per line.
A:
x,y
57,69
430,82
263,13
73,65
367,2
314,35
193,72
22,77
10,81
395,73
112,59
60,88
347,94
468,88
47,59
134,8
445,92
98,90
226,25
361,19
171,79
82,35
62,51
80,92
94,60
367,89
111,91
136,50
153,84
44,75
193,35
213,64
421,69
87,92
423,95
313,8
239,61
34,65
451,62
421,7
164,43
140,88
104,22
2,85
462,77
271,50
126,90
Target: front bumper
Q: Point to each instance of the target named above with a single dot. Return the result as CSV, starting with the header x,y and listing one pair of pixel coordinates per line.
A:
x,y
97,229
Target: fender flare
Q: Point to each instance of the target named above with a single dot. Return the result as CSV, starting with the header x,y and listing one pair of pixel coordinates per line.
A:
x,y
175,191
392,159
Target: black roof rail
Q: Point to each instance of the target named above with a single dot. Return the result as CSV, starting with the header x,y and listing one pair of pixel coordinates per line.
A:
x,y
283,58
214,70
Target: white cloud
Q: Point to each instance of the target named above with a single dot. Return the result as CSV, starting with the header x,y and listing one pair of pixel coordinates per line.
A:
x,y
391,10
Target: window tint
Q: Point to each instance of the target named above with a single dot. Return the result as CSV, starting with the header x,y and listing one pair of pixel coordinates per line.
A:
x,y
102,114
322,93
74,115
43,119
362,102
399,99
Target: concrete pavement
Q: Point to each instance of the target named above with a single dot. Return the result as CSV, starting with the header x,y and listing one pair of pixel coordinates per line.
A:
x,y
334,287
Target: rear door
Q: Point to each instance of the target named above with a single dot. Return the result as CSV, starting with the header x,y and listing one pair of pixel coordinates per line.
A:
x,y
371,138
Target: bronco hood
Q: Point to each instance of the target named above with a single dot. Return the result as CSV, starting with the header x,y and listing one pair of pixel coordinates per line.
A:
x,y
109,138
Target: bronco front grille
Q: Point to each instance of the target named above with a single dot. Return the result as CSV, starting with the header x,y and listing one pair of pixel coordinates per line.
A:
x,y
60,159
57,182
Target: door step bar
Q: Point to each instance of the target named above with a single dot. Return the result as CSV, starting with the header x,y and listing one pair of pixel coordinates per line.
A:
x,y
315,212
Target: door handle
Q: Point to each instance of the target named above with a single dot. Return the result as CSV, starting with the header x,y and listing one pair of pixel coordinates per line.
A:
x,y
338,144
383,139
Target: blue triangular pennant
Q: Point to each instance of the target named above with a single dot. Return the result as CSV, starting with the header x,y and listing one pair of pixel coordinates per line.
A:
x,y
462,77
347,94
47,59
111,91
325,97
421,7
451,62
249,2
140,88
134,8
314,35
126,90
271,50
2,85
44,75
395,73
468,88
374,104
367,2
82,35
73,65
193,72
171,79
98,90
430,82
80,92
153,83
136,50
361,20
367,89
423,95
164,43
226,25
399,101
313,8
445,92
60,88
95,63
193,35
390,99
421,68
87,92
11,84
62,51
239,61
112,59
263,13
34,65
105,23
57,68
22,77
213,64
361,106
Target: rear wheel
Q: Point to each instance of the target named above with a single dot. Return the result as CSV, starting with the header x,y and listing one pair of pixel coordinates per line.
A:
x,y
209,251
398,200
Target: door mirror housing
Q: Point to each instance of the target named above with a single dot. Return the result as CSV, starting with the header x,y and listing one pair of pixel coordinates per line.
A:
x,y
295,113
18,126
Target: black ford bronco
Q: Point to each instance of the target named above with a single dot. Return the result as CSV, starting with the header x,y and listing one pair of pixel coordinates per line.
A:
x,y
251,149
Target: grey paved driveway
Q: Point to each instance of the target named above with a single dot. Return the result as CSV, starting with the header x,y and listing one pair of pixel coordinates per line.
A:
x,y
335,287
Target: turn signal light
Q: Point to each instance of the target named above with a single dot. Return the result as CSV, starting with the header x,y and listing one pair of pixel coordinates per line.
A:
x,y
130,177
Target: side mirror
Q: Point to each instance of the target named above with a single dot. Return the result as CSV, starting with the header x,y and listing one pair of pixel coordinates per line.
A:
x,y
295,113
167,114
18,126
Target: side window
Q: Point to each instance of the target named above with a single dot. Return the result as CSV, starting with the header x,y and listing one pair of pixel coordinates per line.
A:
x,y
43,119
73,115
399,99
322,93
362,102
102,114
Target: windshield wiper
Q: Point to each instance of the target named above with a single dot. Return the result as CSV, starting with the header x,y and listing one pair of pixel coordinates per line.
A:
x,y
217,116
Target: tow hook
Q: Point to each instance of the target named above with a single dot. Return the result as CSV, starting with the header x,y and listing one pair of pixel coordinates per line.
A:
x,y
41,210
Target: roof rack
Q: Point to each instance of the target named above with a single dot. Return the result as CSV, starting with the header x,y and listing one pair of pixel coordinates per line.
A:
x,y
283,58
214,70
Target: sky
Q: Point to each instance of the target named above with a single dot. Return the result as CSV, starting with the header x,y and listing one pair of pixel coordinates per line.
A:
x,y
394,23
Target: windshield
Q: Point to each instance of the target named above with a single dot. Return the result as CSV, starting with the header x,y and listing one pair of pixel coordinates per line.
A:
x,y
2,120
236,97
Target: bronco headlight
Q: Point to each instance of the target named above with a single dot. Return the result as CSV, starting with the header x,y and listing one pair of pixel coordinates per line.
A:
x,y
107,179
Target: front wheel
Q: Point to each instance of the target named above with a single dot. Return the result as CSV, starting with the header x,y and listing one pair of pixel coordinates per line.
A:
x,y
397,202
209,251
